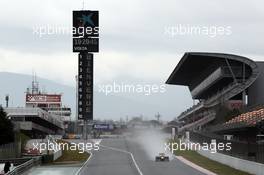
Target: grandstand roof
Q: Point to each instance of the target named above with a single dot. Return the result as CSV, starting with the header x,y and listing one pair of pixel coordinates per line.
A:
x,y
213,78
193,63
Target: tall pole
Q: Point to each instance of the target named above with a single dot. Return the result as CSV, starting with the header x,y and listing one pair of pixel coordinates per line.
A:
x,y
76,110
85,45
7,100
244,92
85,129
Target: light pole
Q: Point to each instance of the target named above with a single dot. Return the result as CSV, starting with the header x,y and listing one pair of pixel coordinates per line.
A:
x,y
7,100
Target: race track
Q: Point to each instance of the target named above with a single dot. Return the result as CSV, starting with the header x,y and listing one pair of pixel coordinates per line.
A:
x,y
121,156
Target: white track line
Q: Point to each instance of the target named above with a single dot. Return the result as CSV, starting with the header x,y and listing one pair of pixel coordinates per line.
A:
x,y
201,169
127,152
98,141
78,172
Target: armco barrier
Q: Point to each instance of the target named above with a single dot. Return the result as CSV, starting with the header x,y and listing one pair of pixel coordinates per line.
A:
x,y
243,165
243,150
25,166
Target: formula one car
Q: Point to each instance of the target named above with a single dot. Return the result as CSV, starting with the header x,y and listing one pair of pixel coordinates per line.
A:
x,y
162,157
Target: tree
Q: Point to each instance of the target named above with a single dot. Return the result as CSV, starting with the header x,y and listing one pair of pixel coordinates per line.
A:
x,y
6,128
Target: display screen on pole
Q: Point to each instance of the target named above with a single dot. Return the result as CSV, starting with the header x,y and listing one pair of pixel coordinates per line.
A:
x,y
85,31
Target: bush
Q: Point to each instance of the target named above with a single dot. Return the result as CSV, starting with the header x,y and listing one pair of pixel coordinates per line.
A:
x,y
6,128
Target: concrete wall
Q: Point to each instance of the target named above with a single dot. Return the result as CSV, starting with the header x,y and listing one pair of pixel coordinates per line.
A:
x,y
243,165
256,90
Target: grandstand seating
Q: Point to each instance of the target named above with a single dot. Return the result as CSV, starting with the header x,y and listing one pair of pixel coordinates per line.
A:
x,y
249,118
210,116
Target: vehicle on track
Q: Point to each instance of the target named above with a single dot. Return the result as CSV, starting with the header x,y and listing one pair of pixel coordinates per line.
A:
x,y
162,157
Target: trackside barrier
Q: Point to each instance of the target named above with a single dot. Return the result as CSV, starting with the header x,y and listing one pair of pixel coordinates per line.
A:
x,y
244,150
25,166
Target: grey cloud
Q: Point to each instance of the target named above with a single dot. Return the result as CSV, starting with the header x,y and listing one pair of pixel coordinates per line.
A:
x,y
139,27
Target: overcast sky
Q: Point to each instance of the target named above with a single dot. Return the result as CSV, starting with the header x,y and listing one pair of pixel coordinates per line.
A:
x,y
135,45
133,41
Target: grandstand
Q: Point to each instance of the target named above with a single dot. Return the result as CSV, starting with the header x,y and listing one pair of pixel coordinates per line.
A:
x,y
229,91
216,79
34,122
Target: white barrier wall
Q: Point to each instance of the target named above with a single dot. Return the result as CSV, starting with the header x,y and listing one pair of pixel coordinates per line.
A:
x,y
57,154
240,164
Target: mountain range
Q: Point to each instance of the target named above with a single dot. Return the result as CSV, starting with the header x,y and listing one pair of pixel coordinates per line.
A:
x,y
169,104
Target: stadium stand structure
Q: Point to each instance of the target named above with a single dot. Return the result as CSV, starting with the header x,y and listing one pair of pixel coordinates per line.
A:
x,y
229,91
34,122
217,79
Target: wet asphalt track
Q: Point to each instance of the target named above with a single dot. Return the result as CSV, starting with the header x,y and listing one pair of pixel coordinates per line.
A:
x,y
117,161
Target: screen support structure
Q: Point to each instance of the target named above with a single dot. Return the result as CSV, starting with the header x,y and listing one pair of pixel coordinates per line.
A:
x,y
85,37
85,90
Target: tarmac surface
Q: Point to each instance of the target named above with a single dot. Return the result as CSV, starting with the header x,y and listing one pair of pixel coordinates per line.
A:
x,y
121,156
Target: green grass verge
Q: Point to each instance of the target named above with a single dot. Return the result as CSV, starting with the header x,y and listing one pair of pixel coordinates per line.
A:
x,y
209,164
72,155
